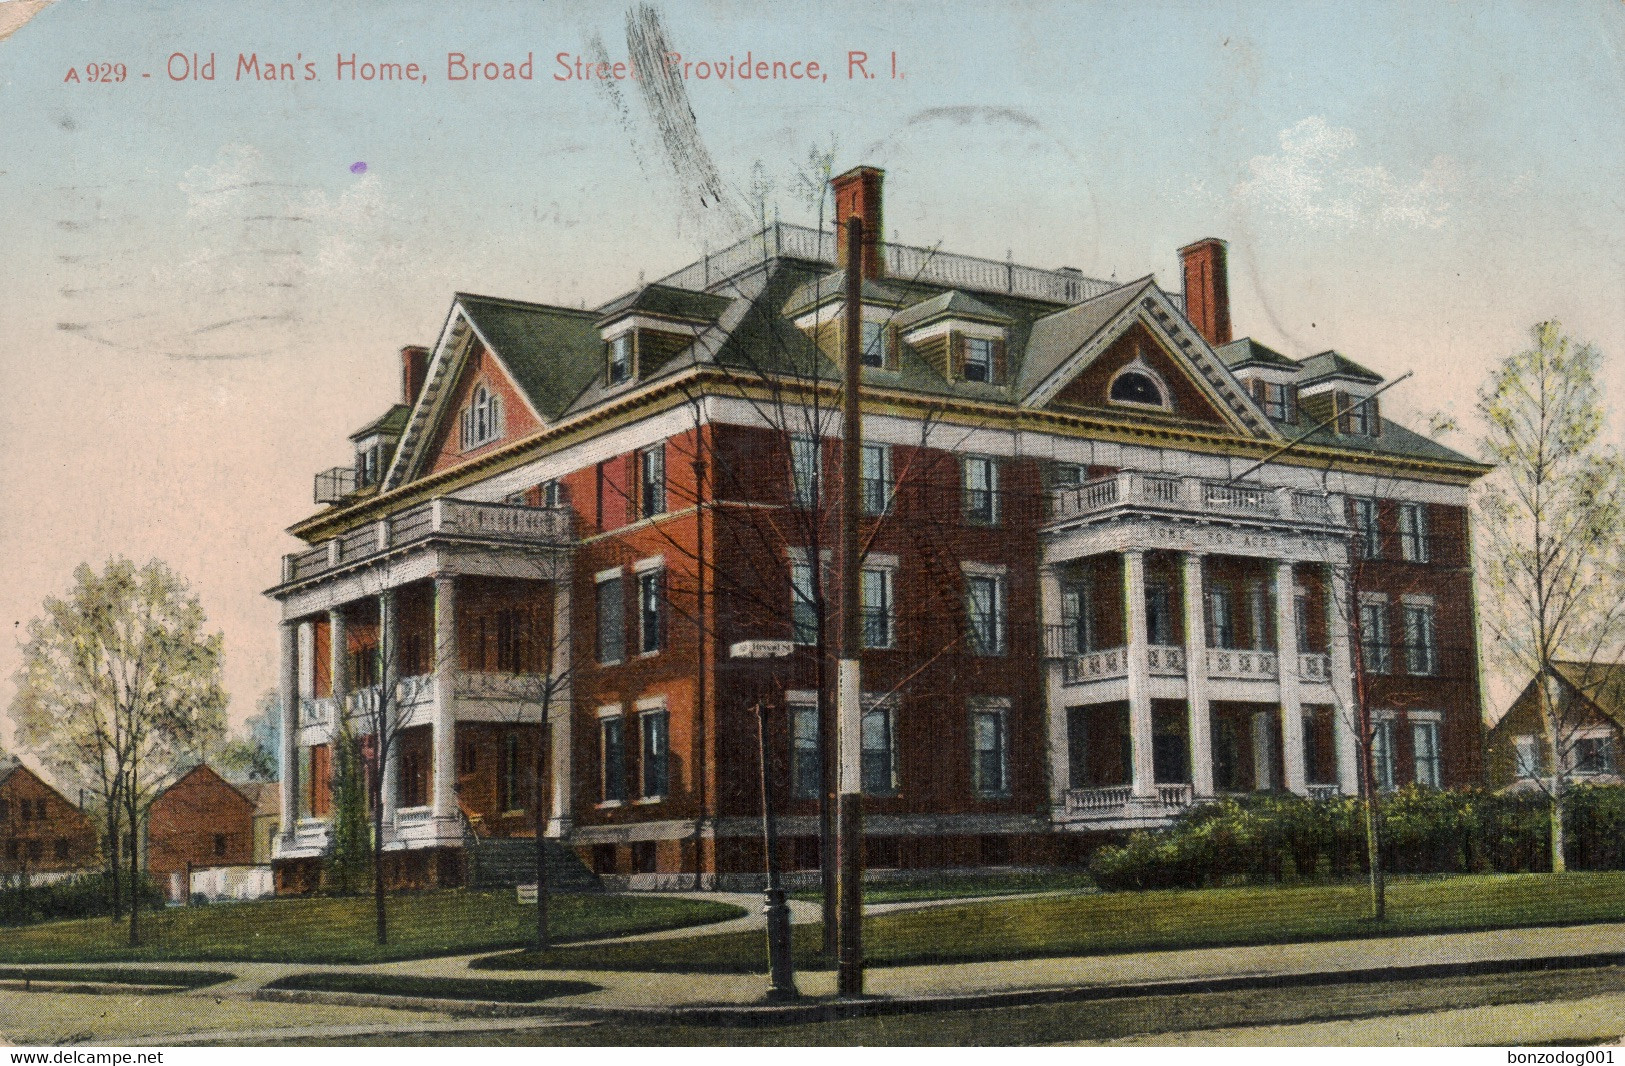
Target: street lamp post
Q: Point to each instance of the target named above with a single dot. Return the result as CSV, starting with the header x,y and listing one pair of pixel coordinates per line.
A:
x,y
780,967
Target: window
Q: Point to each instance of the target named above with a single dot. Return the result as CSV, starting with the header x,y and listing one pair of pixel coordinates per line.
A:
x,y
1413,532
1300,617
1360,417
876,349
1065,475
806,768
5,810
219,845
652,481
1365,528
1374,638
876,595
36,850
1425,743
984,611
1159,614
550,493
1221,621
1421,649
1258,604
1382,753
653,726
1527,753
978,359
12,850
1137,387
620,359
879,759
366,465
61,850
612,741
1280,402
650,594
513,642
1077,619
508,797
806,468
990,751
1594,755
981,481
803,604
467,758
611,621
481,419
876,479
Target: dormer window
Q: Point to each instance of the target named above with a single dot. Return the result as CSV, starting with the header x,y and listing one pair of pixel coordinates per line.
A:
x,y
481,419
367,465
1279,402
978,359
876,351
620,359
1136,385
1357,419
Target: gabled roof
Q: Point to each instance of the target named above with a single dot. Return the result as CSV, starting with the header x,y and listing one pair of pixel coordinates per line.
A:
x,y
266,796
1056,338
1600,684
953,304
8,766
388,424
1248,352
1329,365
203,769
667,302
552,352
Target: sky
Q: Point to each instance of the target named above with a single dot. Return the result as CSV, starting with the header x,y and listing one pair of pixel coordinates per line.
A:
x,y
207,281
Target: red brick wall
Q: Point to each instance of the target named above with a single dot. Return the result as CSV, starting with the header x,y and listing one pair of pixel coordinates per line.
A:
x,y
1090,388
200,820
40,831
481,368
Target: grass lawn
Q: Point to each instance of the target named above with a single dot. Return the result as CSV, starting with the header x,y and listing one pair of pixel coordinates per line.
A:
x,y
964,885
326,929
1106,923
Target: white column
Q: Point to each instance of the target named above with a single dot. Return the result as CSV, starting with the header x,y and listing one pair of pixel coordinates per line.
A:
x,y
389,672
561,711
1050,613
1346,727
288,753
1139,675
1201,720
1286,650
338,659
443,724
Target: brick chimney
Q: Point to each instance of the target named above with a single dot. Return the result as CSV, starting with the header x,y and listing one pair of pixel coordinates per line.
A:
x,y
414,369
1207,289
857,192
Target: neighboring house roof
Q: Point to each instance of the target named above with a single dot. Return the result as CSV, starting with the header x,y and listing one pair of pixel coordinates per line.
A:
x,y
388,424
1331,365
1601,685
204,770
266,796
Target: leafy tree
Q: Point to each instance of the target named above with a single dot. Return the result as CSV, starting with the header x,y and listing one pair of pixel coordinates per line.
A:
x,y
118,693
1553,544
253,756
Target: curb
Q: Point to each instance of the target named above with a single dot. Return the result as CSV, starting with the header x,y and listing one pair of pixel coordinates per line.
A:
x,y
746,1015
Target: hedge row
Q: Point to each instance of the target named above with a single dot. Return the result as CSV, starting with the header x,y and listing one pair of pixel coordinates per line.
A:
x,y
78,897
1274,837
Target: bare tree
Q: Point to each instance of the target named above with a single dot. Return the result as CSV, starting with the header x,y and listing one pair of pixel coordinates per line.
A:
x,y
1551,518
118,693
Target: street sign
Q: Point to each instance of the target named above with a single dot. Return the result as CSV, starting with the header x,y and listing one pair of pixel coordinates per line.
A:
x,y
761,649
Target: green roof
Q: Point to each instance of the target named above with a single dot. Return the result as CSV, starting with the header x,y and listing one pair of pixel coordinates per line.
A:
x,y
388,424
664,300
554,353
1331,365
1248,352
953,304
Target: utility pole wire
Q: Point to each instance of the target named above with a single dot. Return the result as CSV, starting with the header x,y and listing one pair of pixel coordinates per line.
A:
x,y
1289,445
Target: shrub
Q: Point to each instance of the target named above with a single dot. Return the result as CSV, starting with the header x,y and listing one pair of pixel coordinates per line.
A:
x,y
77,897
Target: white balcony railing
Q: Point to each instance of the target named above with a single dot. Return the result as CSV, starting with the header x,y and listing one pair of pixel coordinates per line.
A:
x,y
496,523
1098,800
1119,801
1192,495
1166,660
1324,792
1314,666
1241,665
311,833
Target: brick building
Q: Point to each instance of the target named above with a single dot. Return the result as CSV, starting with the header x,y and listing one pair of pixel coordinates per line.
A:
x,y
200,820
42,833
1096,589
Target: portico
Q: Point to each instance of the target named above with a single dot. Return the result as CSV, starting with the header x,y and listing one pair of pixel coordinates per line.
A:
x,y
1192,627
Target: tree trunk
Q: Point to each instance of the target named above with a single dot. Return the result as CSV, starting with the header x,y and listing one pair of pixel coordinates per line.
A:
x,y
1373,846
378,852
543,937
135,874
117,890
1559,863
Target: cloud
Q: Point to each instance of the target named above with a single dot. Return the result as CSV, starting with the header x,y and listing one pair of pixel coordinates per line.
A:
x,y
1317,177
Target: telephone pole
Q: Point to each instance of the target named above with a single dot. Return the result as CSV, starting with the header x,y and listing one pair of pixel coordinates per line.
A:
x,y
849,687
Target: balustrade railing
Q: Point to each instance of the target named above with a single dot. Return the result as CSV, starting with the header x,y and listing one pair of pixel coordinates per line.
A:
x,y
1166,660
497,522
1324,792
1314,666
1192,495
1098,800
1241,664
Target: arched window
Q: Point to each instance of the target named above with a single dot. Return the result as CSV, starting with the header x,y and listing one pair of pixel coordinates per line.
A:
x,y
1137,385
482,418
